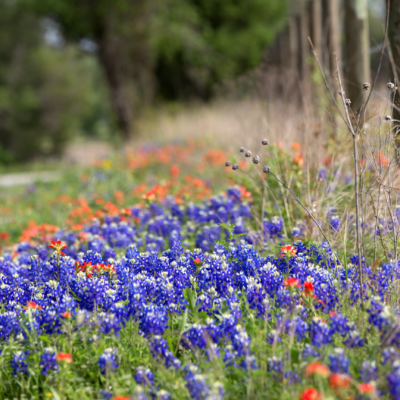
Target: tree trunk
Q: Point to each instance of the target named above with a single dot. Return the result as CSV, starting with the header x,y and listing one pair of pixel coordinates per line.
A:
x,y
117,82
304,46
394,38
332,31
358,68
315,11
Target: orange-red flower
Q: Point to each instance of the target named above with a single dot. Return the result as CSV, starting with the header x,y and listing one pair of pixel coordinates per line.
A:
x,y
332,313
317,368
121,398
296,146
339,381
4,236
308,289
366,387
64,357
58,246
66,314
310,394
291,282
197,261
288,250
33,305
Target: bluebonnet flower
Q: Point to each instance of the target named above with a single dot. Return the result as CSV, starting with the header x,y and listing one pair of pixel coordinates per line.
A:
x,y
275,365
198,387
323,175
106,395
368,371
159,349
18,364
309,352
390,355
393,380
108,361
48,361
153,320
335,223
144,377
338,362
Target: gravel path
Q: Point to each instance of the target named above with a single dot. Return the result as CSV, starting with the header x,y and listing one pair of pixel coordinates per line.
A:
x,y
26,178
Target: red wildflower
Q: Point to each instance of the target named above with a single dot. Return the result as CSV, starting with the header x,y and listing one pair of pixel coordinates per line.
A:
x,y
332,313
299,160
174,170
4,236
121,398
366,387
109,269
65,357
308,289
288,251
339,381
197,261
32,304
296,146
310,394
327,161
291,282
66,314
317,368
58,246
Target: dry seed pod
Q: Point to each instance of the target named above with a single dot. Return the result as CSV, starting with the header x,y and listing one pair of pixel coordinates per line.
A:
x,y
248,153
387,117
266,169
242,149
256,159
264,142
390,85
348,102
228,164
366,86
235,167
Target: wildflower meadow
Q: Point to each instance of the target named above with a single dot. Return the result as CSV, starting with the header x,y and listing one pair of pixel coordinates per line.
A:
x,y
163,274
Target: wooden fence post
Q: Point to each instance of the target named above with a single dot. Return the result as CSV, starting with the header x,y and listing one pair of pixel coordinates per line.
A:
x,y
394,38
304,46
331,25
358,68
315,11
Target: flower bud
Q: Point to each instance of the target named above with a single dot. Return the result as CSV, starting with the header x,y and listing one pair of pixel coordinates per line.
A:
x,y
242,149
228,164
235,167
266,169
248,153
264,142
256,160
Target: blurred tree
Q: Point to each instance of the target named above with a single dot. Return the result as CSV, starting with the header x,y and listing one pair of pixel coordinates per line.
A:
x,y
42,103
205,42
180,48
358,68
394,38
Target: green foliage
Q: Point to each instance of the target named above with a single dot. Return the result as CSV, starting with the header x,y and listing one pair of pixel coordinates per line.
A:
x,y
209,42
189,45
230,228
46,94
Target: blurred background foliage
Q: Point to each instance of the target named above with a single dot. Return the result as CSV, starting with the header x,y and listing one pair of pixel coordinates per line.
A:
x,y
91,68
83,67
